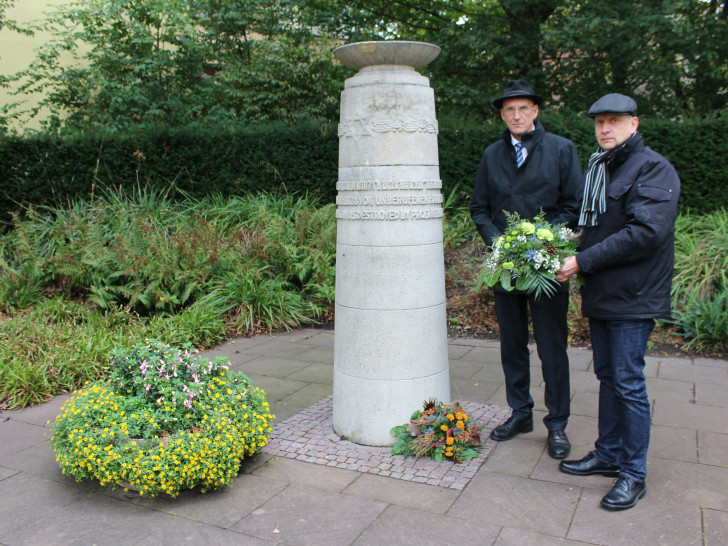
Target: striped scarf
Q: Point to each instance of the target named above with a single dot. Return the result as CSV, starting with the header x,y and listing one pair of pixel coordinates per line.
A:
x,y
595,185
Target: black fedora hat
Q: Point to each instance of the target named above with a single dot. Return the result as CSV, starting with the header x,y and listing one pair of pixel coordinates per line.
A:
x,y
517,89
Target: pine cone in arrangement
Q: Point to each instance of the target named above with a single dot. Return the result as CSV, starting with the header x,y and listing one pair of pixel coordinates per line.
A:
x,y
551,248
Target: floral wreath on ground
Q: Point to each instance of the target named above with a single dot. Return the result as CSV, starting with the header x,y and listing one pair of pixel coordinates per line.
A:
x,y
165,421
441,431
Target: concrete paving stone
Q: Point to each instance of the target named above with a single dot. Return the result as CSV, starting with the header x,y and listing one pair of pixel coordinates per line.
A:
x,y
693,416
183,531
323,355
486,355
25,499
715,525
489,372
547,470
652,368
94,519
585,403
711,362
39,460
402,493
284,411
516,457
456,352
398,525
583,381
234,346
582,432
472,342
280,348
322,338
713,449
670,390
651,521
308,395
221,508
678,444
252,463
273,367
536,375
7,472
682,370
315,373
518,502
275,388
236,357
464,369
304,515
475,391
17,436
687,484
498,398
579,359
519,537
707,394
311,475
41,414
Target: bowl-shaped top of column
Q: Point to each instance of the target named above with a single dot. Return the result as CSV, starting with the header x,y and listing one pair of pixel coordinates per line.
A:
x,y
361,54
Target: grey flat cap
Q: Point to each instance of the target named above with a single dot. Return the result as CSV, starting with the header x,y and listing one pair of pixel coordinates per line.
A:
x,y
614,103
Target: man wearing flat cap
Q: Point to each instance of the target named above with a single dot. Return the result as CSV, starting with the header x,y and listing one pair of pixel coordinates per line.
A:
x,y
528,171
627,213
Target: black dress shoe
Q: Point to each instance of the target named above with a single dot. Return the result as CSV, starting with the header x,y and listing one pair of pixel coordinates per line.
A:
x,y
559,446
591,464
625,494
510,428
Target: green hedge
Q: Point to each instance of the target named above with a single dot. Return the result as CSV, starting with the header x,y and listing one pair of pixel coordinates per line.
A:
x,y
45,168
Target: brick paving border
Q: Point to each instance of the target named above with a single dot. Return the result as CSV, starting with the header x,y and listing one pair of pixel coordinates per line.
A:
x,y
309,436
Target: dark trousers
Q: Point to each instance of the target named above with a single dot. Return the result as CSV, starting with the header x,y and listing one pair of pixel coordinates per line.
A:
x,y
550,330
624,409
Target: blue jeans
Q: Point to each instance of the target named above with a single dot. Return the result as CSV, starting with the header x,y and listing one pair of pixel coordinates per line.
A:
x,y
624,410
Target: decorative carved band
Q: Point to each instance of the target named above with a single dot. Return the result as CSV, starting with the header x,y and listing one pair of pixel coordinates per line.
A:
x,y
359,127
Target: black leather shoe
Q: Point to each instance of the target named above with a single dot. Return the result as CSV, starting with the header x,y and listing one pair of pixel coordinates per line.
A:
x,y
591,464
559,446
625,494
510,428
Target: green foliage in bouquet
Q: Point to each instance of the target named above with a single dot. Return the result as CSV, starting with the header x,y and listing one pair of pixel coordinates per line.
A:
x,y
164,421
441,431
529,253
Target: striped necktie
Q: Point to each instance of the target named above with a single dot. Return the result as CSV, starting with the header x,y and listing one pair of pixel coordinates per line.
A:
x,y
519,154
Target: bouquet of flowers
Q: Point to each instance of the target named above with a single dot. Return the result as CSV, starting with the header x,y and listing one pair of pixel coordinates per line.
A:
x,y
529,253
440,431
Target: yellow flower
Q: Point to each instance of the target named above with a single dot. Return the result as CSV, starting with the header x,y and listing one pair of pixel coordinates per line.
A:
x,y
443,428
450,441
460,425
450,416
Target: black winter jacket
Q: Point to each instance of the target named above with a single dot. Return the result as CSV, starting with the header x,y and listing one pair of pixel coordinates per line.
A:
x,y
627,259
548,180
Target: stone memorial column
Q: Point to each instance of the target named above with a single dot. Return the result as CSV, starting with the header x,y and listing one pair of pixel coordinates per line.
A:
x,y
390,348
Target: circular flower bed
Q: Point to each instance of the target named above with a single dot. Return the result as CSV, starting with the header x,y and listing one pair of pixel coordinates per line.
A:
x,y
164,421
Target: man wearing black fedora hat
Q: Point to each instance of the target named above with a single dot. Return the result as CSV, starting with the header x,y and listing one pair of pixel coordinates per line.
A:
x,y
528,171
626,254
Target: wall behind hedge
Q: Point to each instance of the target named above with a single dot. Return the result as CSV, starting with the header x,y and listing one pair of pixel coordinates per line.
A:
x,y
49,169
